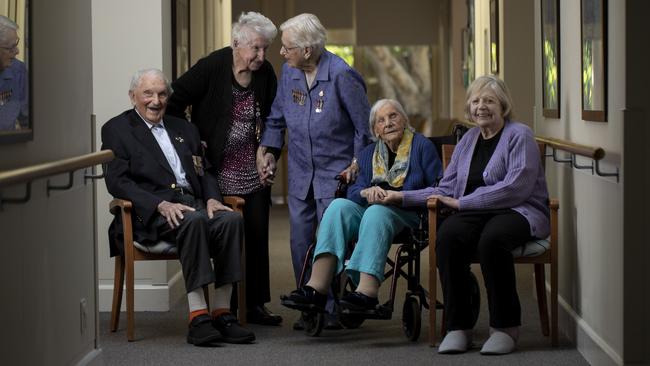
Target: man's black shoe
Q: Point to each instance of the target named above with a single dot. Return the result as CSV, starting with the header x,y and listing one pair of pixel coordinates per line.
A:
x,y
261,315
201,331
230,329
305,299
356,301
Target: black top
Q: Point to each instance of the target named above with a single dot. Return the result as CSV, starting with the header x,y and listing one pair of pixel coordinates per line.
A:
x,y
207,87
482,154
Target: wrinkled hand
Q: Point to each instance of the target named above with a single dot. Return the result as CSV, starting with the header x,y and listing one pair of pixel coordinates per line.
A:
x,y
173,212
393,198
350,173
373,194
213,206
266,166
447,201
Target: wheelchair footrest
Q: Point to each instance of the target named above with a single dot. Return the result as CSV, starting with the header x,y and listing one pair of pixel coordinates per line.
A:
x,y
380,312
309,308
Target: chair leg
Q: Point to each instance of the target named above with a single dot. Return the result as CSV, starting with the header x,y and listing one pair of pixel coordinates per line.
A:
x,y
540,286
129,298
118,284
554,309
433,295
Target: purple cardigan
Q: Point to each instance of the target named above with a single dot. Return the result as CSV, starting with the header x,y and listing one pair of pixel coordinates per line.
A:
x,y
514,178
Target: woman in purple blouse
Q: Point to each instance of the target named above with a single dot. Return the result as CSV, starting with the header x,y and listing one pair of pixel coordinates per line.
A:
x,y
496,183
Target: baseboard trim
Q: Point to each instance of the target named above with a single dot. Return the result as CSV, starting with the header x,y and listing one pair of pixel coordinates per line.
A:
x,y
588,342
92,358
147,297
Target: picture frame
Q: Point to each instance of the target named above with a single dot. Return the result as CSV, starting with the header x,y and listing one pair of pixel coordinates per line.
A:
x,y
593,49
180,37
16,117
494,36
551,90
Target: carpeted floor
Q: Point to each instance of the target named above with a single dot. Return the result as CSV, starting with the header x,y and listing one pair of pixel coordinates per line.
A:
x,y
161,336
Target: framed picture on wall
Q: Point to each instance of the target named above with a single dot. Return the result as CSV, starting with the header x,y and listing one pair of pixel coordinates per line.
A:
x,y
551,58
494,36
180,37
593,44
16,123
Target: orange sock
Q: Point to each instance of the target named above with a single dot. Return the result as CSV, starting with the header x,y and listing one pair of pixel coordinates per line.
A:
x,y
196,313
218,312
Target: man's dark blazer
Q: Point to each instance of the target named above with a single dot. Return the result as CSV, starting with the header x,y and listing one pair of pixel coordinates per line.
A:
x,y
141,174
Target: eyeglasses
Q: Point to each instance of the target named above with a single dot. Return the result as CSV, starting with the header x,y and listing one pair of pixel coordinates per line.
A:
x,y
12,48
287,49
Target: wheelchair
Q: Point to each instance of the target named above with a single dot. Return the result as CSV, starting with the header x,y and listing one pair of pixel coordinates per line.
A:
x,y
405,263
411,242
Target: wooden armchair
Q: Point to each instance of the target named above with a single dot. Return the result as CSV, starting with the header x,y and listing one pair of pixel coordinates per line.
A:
x,y
134,251
538,253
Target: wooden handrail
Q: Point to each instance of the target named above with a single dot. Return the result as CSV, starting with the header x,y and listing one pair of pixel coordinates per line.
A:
x,y
30,173
595,153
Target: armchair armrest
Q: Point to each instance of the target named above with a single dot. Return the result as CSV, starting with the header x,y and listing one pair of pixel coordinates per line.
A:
x,y
235,202
120,204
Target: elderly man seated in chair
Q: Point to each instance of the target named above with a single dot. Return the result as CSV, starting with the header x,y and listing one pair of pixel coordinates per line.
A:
x,y
159,166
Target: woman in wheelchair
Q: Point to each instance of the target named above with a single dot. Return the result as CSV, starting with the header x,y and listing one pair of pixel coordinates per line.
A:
x,y
398,159
496,182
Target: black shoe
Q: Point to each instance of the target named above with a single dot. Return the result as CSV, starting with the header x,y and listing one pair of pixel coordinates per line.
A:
x,y
305,299
201,331
332,322
357,301
261,315
230,329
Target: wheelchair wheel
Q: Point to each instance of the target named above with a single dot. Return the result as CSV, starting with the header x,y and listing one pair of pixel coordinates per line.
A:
x,y
475,298
314,323
411,318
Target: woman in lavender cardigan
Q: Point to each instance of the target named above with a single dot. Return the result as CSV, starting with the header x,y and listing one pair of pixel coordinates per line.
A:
x,y
496,182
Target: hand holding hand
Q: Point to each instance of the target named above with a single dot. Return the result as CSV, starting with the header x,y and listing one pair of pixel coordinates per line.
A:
x,y
374,194
266,166
173,212
447,201
213,206
393,198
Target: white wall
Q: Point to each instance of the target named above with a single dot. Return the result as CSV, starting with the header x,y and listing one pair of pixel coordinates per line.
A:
x,y
127,36
591,207
48,243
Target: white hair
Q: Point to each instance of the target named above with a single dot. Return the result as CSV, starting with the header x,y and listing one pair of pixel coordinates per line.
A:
x,y
379,105
137,79
6,26
307,31
252,22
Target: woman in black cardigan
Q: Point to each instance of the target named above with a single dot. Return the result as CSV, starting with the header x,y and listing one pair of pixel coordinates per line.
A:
x,y
230,93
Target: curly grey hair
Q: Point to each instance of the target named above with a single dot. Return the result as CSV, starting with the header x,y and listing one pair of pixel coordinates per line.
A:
x,y
307,31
